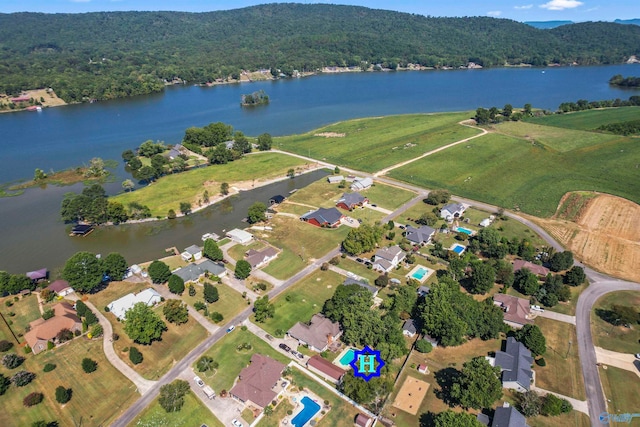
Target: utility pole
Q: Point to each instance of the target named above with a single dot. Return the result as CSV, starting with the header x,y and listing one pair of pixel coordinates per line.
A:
x,y
567,355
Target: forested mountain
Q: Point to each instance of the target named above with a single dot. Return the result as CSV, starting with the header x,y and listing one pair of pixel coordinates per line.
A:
x,y
628,21
546,25
114,54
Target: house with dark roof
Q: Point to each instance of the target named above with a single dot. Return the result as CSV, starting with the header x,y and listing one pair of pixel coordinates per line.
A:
x,y
42,331
326,369
193,252
419,236
60,287
508,416
256,382
350,201
386,259
423,291
517,311
318,334
452,211
409,328
515,364
174,152
536,269
350,281
193,272
262,257
276,200
323,217
36,275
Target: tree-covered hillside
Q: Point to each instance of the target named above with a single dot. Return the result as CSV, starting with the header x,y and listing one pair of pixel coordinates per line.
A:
x,y
115,54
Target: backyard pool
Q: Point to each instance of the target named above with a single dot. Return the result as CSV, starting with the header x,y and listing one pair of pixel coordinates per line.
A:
x,y
419,273
464,230
308,411
457,248
347,357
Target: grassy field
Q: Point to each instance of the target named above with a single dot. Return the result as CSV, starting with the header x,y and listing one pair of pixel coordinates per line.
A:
x,y
375,143
609,336
622,391
231,361
88,402
25,311
514,173
590,119
562,373
230,303
170,190
237,251
193,413
572,419
387,196
305,298
280,413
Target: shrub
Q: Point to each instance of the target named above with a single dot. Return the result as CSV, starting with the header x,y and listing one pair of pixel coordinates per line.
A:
x,y
89,365
12,360
22,378
63,395
48,314
424,346
5,346
5,382
115,337
32,399
135,356
334,261
199,305
551,406
262,286
27,349
8,303
96,330
49,367
107,309
210,293
243,328
541,362
50,345
64,335
192,291
90,318
324,266
216,317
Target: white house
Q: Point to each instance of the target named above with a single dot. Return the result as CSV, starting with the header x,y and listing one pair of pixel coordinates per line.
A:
x,y
120,306
335,179
452,211
361,184
60,287
409,328
192,252
240,236
387,259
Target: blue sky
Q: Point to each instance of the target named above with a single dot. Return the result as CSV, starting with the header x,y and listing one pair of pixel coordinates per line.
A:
x,y
520,10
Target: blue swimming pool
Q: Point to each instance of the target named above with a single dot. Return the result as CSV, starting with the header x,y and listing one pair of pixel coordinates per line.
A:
x,y
420,273
310,409
347,357
458,249
464,230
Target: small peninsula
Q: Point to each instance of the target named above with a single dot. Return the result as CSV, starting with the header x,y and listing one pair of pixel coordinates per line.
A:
x,y
618,80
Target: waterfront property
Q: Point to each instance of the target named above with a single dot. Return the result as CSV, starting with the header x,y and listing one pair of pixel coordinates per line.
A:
x,y
42,331
60,287
193,272
262,257
240,236
386,259
515,364
420,273
318,334
257,382
38,275
323,217
192,253
517,311
120,306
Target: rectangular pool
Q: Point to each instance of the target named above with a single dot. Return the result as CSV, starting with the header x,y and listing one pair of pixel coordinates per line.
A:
x,y
464,230
458,249
310,409
420,273
347,357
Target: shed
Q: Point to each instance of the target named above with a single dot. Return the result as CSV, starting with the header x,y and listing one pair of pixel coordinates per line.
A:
x,y
41,274
277,199
363,421
240,236
81,230
335,179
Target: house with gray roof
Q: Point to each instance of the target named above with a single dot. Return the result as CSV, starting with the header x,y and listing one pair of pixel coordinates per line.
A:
x,y
515,363
192,252
350,201
318,334
323,217
452,211
174,152
423,291
508,416
359,184
409,328
262,257
335,179
419,236
193,272
350,281
386,259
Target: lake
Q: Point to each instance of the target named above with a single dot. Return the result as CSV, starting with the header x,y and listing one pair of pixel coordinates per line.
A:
x,y
58,138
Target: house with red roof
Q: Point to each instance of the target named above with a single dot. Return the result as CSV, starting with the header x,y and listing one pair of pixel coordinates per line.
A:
x,y
42,331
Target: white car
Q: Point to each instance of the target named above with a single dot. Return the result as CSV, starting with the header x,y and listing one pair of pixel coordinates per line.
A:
x,y
231,328
198,381
237,423
637,355
537,308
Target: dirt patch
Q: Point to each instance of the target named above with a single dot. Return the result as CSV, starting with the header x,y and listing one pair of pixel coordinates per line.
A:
x,y
411,394
604,232
331,134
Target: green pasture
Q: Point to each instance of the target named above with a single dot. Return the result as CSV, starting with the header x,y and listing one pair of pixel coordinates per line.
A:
x,y
375,143
193,413
589,119
609,335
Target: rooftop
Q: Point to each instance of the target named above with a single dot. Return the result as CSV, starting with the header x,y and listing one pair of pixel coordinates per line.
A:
x,y
256,380
326,367
515,363
516,310
318,333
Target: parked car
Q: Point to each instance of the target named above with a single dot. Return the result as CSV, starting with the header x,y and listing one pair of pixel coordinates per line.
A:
x,y
231,328
537,308
359,260
374,205
284,347
269,337
198,381
237,423
637,355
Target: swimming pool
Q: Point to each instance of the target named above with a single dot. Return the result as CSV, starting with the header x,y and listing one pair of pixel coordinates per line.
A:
x,y
310,409
464,230
420,273
347,357
458,248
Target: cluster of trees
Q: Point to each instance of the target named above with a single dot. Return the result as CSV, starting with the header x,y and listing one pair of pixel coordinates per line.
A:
x,y
172,395
583,104
263,309
85,272
257,213
362,239
618,80
158,166
437,197
134,52
630,127
256,98
494,115
14,283
143,325
92,206
531,404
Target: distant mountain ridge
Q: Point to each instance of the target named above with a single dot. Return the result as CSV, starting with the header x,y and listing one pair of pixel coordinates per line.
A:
x,y
106,55
628,21
547,25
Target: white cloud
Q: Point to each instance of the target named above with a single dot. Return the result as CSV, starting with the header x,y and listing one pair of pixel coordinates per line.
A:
x,y
526,6
561,4
593,9
494,13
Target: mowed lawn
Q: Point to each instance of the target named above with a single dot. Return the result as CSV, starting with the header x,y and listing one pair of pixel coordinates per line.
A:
x,y
375,143
97,398
193,413
189,186
621,389
231,360
300,302
516,174
562,373
25,311
611,337
229,304
589,119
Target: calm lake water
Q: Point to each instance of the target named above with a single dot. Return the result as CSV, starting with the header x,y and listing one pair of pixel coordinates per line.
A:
x,y
58,138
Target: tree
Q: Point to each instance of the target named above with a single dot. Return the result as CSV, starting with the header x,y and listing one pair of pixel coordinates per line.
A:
x,y
479,384
115,266
192,290
291,173
224,188
159,271
449,418
530,403
48,314
127,155
63,395
561,261
135,356
219,155
553,406
32,399
5,382
22,378
526,282
175,311
64,335
206,364
263,309
96,330
89,365
81,308
382,280
241,143
172,395
257,213
5,346
482,278
176,284
145,173
185,208
507,111
527,109
424,346
212,251
39,175
83,271
504,272
625,315
575,276
90,318
264,142
243,269
12,360
268,411
427,218
134,165
532,338
142,324
362,239
96,167
210,293
482,116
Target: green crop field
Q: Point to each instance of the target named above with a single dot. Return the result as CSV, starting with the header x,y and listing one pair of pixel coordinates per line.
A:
x,y
514,173
375,143
590,119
